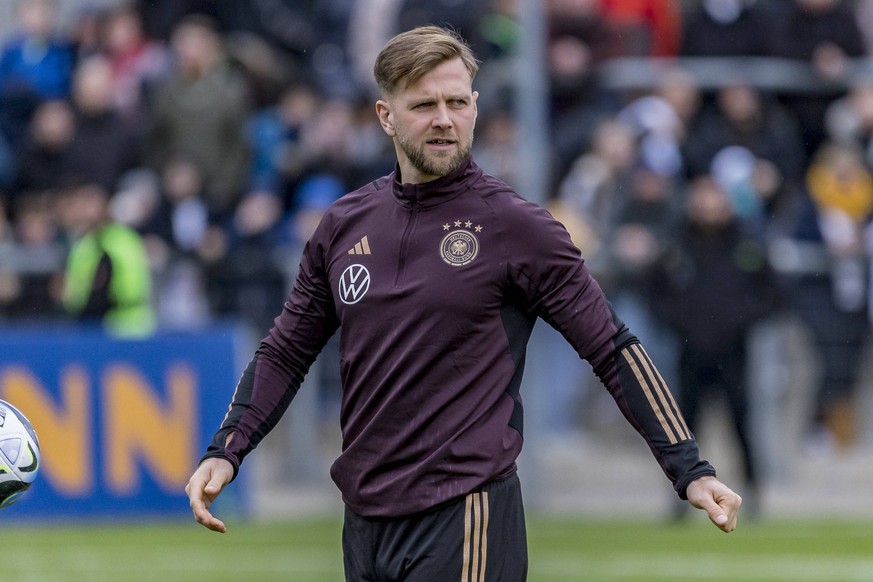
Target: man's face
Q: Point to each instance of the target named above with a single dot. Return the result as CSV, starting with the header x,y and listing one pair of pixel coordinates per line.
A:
x,y
432,122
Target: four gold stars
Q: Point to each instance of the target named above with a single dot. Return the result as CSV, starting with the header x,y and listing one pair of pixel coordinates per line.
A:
x,y
467,224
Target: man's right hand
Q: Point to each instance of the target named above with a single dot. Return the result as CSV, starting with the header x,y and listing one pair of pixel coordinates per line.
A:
x,y
204,486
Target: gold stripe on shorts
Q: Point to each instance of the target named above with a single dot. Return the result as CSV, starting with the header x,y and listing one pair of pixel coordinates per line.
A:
x,y
475,537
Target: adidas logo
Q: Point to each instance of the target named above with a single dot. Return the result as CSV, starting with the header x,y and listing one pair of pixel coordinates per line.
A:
x,y
361,248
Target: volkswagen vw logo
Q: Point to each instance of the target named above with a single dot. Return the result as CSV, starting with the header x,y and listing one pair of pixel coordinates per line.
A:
x,y
353,284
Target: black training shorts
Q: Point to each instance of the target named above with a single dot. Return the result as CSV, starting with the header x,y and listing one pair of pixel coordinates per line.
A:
x,y
480,537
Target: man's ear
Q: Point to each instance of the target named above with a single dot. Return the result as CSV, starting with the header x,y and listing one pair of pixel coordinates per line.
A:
x,y
386,118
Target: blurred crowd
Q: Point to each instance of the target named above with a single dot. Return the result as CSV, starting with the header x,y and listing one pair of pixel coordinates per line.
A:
x,y
163,161
713,207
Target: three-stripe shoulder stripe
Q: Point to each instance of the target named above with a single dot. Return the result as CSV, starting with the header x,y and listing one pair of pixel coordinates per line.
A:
x,y
362,247
657,393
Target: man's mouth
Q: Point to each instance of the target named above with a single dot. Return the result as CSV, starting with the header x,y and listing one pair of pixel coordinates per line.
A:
x,y
441,141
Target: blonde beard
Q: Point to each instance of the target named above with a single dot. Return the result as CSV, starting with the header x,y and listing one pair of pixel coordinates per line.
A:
x,y
434,165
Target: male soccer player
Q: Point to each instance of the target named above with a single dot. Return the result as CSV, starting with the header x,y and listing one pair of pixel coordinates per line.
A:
x,y
435,274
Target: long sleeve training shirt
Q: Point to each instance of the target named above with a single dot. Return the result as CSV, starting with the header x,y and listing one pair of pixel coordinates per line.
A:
x,y
436,288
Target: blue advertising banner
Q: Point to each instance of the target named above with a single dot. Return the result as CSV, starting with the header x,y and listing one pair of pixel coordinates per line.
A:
x,y
121,423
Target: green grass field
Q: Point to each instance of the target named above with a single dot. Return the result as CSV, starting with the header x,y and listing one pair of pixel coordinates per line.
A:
x,y
561,550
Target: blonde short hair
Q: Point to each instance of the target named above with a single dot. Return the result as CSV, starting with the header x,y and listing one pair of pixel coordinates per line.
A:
x,y
410,55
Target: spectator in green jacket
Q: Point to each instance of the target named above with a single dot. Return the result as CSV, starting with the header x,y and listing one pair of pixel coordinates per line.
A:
x,y
107,273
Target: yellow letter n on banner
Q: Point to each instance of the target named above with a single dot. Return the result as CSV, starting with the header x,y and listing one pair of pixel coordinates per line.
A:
x,y
139,427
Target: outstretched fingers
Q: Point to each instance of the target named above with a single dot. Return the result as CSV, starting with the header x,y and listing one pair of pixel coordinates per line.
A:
x,y
204,486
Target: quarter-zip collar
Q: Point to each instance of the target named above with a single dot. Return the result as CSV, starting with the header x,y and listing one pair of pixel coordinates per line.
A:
x,y
437,191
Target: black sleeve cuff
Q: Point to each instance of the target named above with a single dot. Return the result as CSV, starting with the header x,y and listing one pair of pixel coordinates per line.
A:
x,y
225,456
217,449
702,469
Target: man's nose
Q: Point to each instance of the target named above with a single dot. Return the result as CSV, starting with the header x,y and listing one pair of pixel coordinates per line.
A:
x,y
441,116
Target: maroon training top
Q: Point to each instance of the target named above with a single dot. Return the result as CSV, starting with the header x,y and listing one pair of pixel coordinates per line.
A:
x,y
436,288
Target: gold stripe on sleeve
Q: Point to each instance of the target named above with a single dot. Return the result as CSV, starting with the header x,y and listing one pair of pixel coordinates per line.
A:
x,y
666,396
647,390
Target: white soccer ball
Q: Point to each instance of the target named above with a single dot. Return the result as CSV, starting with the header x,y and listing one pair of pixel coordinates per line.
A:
x,y
19,454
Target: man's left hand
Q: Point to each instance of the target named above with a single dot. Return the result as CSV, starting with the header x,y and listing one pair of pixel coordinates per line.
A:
x,y
717,499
